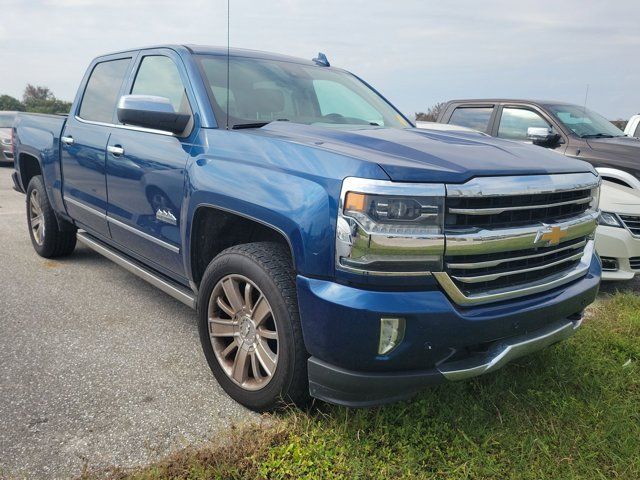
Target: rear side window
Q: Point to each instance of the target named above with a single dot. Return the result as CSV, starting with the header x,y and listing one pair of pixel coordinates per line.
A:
x,y
472,117
159,76
515,123
101,94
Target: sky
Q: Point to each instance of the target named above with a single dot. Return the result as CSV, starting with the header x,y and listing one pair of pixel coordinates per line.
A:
x,y
415,52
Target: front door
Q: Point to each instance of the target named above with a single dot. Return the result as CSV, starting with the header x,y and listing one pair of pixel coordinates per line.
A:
x,y
146,171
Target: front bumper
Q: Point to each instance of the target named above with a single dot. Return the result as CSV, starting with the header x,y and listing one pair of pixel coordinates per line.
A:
x,y
341,327
618,243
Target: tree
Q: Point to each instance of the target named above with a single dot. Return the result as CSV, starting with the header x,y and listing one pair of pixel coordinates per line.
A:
x,y
7,102
40,99
431,115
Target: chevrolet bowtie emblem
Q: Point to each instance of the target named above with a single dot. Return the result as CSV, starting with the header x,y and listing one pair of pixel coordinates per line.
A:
x,y
551,235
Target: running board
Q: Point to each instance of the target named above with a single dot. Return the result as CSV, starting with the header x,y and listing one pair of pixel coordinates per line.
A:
x,y
174,289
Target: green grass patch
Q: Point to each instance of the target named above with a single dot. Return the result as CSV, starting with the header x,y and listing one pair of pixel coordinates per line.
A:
x,y
570,411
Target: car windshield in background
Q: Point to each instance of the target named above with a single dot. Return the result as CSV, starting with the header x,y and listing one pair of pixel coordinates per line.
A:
x,y
263,91
585,123
6,121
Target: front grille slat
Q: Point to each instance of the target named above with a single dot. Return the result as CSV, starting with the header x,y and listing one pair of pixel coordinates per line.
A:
x,y
632,222
634,263
515,210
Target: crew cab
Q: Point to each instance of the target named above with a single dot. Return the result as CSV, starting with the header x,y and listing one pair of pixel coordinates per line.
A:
x,y
331,249
572,130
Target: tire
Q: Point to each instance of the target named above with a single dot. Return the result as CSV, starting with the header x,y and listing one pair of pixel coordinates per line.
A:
x,y
228,338
48,240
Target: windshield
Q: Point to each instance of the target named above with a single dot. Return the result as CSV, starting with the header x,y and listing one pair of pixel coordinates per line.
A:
x,y
585,123
6,121
263,91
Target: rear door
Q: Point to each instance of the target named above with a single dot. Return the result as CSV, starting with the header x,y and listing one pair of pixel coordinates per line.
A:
x,y
146,168
476,116
84,140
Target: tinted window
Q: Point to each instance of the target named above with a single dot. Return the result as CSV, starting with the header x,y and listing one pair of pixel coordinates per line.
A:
x,y
101,95
637,134
472,117
515,122
160,77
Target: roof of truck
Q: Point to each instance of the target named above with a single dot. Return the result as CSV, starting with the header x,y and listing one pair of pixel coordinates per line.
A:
x,y
222,50
509,100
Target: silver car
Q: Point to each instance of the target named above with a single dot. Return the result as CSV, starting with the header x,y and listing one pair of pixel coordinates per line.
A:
x,y
6,148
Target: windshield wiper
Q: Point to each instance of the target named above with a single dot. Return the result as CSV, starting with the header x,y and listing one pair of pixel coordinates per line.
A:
x,y
596,135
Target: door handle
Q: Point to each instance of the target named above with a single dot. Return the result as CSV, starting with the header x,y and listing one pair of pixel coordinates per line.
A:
x,y
67,140
115,150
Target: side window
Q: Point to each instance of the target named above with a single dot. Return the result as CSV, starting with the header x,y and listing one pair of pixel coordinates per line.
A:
x,y
516,121
472,117
159,76
637,134
101,93
336,99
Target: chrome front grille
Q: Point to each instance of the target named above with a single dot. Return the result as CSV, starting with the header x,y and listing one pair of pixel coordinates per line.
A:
x,y
516,210
632,222
512,236
479,273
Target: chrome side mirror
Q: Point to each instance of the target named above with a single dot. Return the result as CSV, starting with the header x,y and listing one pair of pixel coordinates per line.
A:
x,y
542,135
152,112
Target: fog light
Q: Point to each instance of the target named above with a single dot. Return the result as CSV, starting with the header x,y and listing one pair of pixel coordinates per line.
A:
x,y
391,334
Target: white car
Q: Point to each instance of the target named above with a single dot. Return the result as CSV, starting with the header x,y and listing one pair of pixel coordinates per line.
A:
x,y
618,235
633,126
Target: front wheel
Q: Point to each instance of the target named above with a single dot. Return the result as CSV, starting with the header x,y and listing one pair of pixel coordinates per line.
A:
x,y
250,326
47,238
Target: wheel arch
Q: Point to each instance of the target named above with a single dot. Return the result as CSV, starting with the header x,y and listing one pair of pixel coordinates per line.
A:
x,y
209,219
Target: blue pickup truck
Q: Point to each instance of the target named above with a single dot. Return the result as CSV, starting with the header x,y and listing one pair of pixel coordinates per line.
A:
x,y
331,249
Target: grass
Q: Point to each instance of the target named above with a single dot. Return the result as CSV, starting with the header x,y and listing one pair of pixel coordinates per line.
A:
x,y
571,411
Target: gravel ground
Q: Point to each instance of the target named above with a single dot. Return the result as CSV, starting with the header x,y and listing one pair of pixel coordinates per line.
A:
x,y
97,367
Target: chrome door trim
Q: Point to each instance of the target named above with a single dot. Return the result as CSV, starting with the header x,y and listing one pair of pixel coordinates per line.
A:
x,y
144,235
125,127
131,229
84,207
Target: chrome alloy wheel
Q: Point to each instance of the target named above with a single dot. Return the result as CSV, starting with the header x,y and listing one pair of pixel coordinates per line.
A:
x,y
36,217
243,332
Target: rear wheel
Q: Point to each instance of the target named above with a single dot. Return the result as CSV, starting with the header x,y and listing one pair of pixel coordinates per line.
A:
x,y
47,238
250,327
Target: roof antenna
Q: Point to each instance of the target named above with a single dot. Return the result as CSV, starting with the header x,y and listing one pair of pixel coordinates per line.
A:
x,y
586,94
322,60
228,54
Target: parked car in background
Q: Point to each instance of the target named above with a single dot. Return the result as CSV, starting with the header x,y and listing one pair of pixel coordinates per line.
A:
x,y
633,127
330,248
618,232
572,130
6,147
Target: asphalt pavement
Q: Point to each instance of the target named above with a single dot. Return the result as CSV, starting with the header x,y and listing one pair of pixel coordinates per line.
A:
x,y
97,367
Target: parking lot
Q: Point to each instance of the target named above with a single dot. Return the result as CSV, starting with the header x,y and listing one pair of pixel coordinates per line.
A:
x,y
96,366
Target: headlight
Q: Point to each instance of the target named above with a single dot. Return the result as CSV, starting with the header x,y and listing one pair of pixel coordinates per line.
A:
x,y
388,228
609,219
595,198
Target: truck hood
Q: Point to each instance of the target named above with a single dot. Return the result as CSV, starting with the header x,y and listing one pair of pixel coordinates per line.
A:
x,y
619,199
413,155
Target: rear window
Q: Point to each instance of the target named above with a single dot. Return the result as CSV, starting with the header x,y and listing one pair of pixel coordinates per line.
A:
x,y
101,94
476,118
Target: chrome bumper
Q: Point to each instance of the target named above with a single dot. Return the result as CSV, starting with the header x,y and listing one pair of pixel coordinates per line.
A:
x,y
504,351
